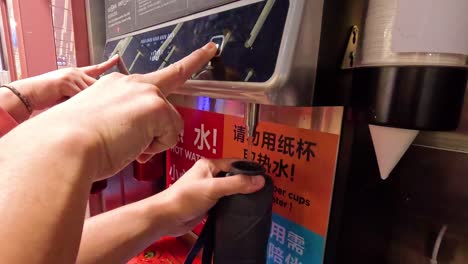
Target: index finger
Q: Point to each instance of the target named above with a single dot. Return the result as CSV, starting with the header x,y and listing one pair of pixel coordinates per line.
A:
x,y
98,69
178,73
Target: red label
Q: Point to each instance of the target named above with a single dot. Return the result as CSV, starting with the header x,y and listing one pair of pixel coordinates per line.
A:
x,y
202,138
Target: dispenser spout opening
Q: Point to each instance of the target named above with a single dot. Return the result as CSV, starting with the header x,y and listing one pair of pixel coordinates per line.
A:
x,y
251,118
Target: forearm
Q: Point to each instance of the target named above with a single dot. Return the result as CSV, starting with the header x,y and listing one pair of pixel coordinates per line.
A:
x,y
118,235
42,193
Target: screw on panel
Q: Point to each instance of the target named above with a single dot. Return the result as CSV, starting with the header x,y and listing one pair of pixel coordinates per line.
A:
x,y
349,58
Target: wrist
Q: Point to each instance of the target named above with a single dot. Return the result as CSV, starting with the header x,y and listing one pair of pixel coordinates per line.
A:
x,y
71,145
13,105
155,210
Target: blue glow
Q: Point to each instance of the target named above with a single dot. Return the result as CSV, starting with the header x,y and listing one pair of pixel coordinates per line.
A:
x,y
203,103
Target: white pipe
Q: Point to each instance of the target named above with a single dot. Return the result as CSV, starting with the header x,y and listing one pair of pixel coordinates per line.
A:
x,y
259,24
435,251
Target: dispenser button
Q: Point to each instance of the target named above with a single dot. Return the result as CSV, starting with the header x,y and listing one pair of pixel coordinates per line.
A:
x,y
219,40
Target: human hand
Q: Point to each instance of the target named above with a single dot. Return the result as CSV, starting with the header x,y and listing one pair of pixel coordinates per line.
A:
x,y
124,118
186,202
48,89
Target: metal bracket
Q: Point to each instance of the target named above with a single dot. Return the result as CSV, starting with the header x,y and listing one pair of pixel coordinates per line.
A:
x,y
349,59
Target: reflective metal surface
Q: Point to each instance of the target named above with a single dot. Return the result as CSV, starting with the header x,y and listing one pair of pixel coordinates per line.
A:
x,y
293,80
323,119
96,29
454,141
429,192
251,118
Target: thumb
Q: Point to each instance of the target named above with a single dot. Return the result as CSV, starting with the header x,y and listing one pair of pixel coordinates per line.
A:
x,y
236,184
98,69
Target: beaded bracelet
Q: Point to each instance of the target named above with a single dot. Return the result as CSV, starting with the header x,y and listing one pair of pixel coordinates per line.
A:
x,y
23,98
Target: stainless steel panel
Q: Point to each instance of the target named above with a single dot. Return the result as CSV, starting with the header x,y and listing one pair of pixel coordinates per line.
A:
x,y
323,119
428,192
293,80
96,29
454,141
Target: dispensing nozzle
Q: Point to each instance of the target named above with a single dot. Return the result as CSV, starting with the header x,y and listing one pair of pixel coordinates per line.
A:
x,y
251,118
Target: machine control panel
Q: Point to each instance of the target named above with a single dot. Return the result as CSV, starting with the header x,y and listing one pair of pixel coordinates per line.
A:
x,y
248,37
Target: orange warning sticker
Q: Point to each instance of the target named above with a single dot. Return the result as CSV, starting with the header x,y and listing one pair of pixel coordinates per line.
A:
x,y
301,163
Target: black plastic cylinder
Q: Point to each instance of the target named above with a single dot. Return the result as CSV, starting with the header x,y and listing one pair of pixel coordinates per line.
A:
x,y
243,221
412,97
